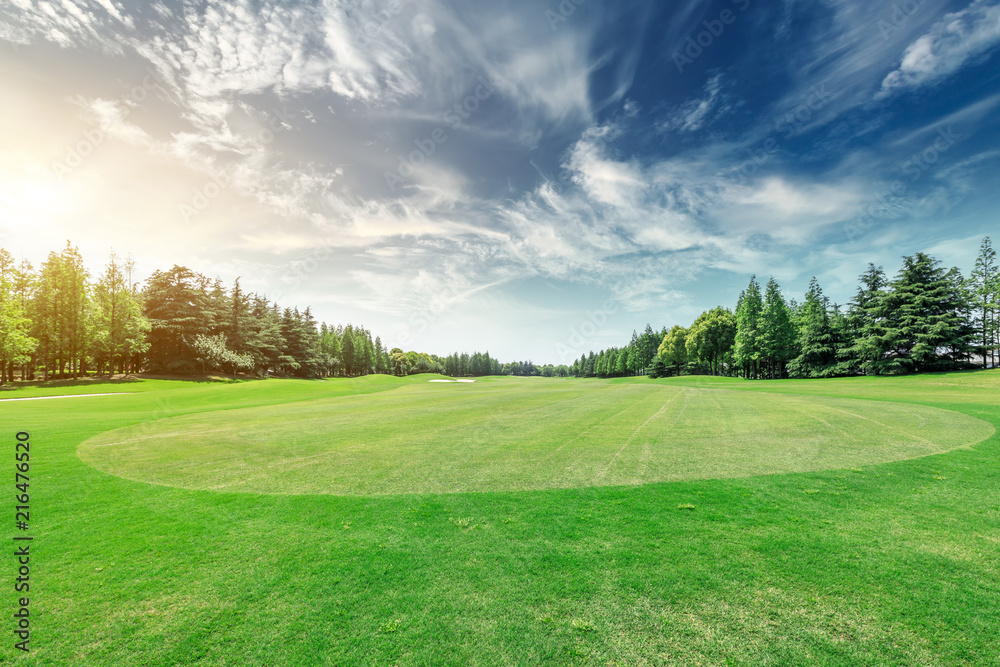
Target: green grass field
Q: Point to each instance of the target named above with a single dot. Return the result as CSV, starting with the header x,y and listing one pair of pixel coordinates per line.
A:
x,y
513,521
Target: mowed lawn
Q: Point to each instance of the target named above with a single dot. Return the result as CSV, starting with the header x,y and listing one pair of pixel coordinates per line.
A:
x,y
511,434
514,521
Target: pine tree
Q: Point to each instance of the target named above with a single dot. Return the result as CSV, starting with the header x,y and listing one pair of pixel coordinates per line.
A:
x,y
747,353
648,344
237,327
984,285
657,369
817,351
776,332
865,349
926,327
381,360
348,350
120,327
61,308
634,362
176,305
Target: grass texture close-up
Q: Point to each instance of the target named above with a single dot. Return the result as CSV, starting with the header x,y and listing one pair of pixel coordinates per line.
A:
x,y
514,521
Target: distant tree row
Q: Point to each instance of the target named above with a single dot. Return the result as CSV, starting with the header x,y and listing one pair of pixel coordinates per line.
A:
x,y
633,359
926,318
457,364
57,322
466,365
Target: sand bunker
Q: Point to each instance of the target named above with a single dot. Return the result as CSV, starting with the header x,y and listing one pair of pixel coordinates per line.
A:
x,y
460,380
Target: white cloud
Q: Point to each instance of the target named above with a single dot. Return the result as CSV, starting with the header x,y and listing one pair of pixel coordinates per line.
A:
x,y
695,114
553,76
951,42
779,196
111,116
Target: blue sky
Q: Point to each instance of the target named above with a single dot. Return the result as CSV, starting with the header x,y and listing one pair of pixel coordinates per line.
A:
x,y
532,178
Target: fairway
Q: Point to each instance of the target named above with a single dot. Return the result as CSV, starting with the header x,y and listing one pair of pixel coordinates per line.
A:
x,y
395,521
510,434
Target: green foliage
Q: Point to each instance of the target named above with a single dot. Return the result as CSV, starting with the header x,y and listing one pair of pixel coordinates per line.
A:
x,y
657,369
927,318
121,330
673,349
817,345
865,325
776,335
710,339
214,353
58,321
178,309
16,343
984,299
60,313
926,325
747,348
474,365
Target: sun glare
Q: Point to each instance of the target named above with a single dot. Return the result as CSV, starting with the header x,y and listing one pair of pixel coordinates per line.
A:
x,y
33,199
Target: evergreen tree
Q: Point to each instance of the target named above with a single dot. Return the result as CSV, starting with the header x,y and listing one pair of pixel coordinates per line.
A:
x,y
381,360
634,362
302,345
817,351
865,349
747,348
238,328
61,312
176,305
657,369
776,332
597,364
617,366
647,344
926,324
368,356
984,285
121,329
264,338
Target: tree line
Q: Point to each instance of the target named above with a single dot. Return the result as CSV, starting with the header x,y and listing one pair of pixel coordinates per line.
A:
x,y
58,322
925,318
632,359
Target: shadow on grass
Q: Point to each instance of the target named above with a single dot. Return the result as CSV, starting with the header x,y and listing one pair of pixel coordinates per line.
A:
x,y
116,380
